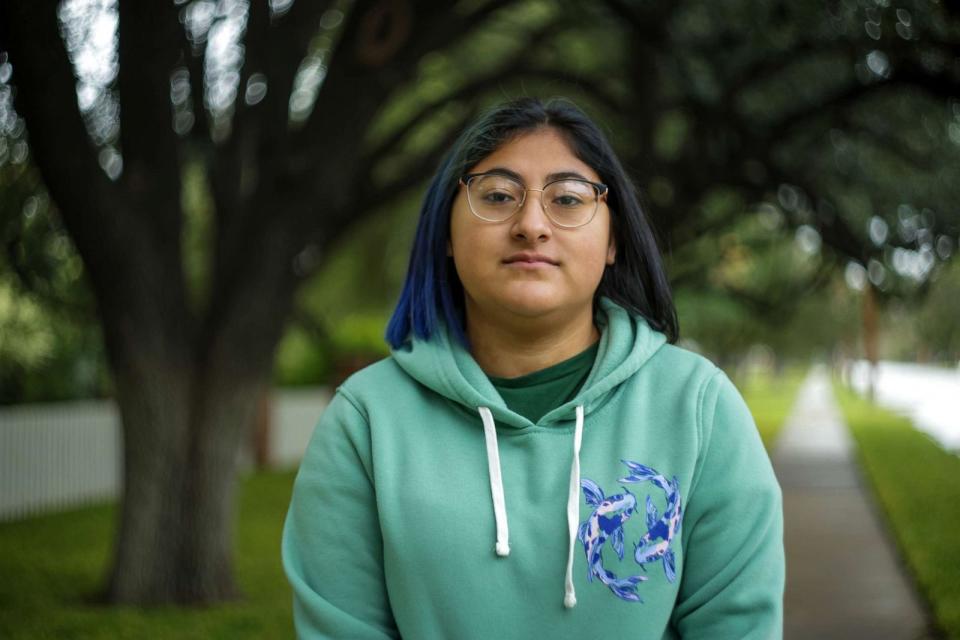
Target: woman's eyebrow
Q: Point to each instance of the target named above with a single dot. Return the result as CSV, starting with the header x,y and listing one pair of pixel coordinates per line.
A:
x,y
563,175
503,171
559,175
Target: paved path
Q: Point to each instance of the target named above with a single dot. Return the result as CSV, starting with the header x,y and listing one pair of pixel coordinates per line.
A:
x,y
844,579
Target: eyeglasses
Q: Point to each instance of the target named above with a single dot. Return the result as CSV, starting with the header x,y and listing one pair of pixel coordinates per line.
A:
x,y
568,203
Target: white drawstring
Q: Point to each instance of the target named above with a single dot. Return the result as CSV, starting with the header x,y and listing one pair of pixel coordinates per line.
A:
x,y
496,482
573,510
500,507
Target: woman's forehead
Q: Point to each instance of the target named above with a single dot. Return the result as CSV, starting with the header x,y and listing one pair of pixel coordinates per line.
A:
x,y
540,155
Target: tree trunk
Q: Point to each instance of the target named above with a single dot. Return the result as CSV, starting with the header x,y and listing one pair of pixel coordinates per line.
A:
x,y
181,449
154,412
870,337
225,422
262,428
188,400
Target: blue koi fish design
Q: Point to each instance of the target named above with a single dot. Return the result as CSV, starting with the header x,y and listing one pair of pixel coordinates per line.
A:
x,y
606,522
656,543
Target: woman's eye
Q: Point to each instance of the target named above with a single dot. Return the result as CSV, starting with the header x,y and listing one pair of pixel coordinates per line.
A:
x,y
497,197
567,201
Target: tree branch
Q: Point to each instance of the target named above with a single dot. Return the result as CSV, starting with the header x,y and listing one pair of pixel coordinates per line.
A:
x,y
417,172
149,52
200,132
255,157
647,23
509,69
46,99
374,56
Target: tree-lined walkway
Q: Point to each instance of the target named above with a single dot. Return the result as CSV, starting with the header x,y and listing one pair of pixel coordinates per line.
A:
x,y
844,579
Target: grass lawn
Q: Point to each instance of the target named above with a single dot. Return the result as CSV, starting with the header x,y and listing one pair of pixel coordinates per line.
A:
x,y
52,564
770,399
918,485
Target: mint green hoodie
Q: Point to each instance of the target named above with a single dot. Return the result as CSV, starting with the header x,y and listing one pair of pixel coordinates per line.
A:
x,y
646,507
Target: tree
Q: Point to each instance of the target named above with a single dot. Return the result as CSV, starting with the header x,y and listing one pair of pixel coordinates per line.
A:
x,y
329,109
938,322
817,122
287,171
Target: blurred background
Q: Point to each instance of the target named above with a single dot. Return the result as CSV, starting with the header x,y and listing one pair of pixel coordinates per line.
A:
x,y
206,211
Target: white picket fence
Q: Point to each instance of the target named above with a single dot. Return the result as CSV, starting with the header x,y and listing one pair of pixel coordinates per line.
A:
x,y
62,455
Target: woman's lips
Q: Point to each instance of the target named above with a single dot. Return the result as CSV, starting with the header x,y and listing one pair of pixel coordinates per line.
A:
x,y
527,260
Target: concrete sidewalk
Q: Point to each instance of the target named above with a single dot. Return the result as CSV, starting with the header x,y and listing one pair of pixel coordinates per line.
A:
x,y
844,579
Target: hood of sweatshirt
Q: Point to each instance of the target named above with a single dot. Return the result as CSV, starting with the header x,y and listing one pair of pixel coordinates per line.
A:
x,y
445,366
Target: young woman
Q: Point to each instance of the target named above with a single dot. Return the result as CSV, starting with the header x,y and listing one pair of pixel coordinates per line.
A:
x,y
536,458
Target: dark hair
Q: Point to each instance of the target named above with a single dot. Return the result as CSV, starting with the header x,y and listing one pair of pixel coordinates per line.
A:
x,y
433,291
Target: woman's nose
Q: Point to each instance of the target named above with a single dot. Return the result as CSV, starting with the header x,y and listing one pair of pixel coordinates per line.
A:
x,y
531,222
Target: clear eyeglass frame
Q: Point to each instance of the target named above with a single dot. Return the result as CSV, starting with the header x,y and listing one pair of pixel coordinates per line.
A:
x,y
601,193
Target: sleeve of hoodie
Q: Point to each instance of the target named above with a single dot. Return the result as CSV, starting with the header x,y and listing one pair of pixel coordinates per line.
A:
x,y
733,569
332,546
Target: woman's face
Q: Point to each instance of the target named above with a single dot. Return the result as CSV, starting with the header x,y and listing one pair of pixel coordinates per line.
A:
x,y
527,266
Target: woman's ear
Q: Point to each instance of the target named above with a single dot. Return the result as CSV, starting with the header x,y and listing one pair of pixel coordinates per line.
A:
x,y
612,249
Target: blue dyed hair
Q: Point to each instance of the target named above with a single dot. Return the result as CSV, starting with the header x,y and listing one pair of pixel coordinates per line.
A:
x,y
433,294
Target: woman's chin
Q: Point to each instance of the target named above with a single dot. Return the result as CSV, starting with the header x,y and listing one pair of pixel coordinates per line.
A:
x,y
533,301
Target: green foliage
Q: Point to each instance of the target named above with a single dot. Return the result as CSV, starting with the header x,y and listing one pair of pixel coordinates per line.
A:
x,y
760,288
770,397
821,322
939,317
714,321
442,73
300,360
45,355
918,485
343,309
50,344
361,334
365,273
198,208
56,564
354,340
26,336
670,134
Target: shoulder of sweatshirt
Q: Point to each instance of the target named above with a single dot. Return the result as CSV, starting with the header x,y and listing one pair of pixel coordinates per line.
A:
x,y
680,365
385,370
378,382
720,405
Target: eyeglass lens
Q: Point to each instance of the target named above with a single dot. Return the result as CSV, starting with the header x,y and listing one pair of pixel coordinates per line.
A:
x,y
567,202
